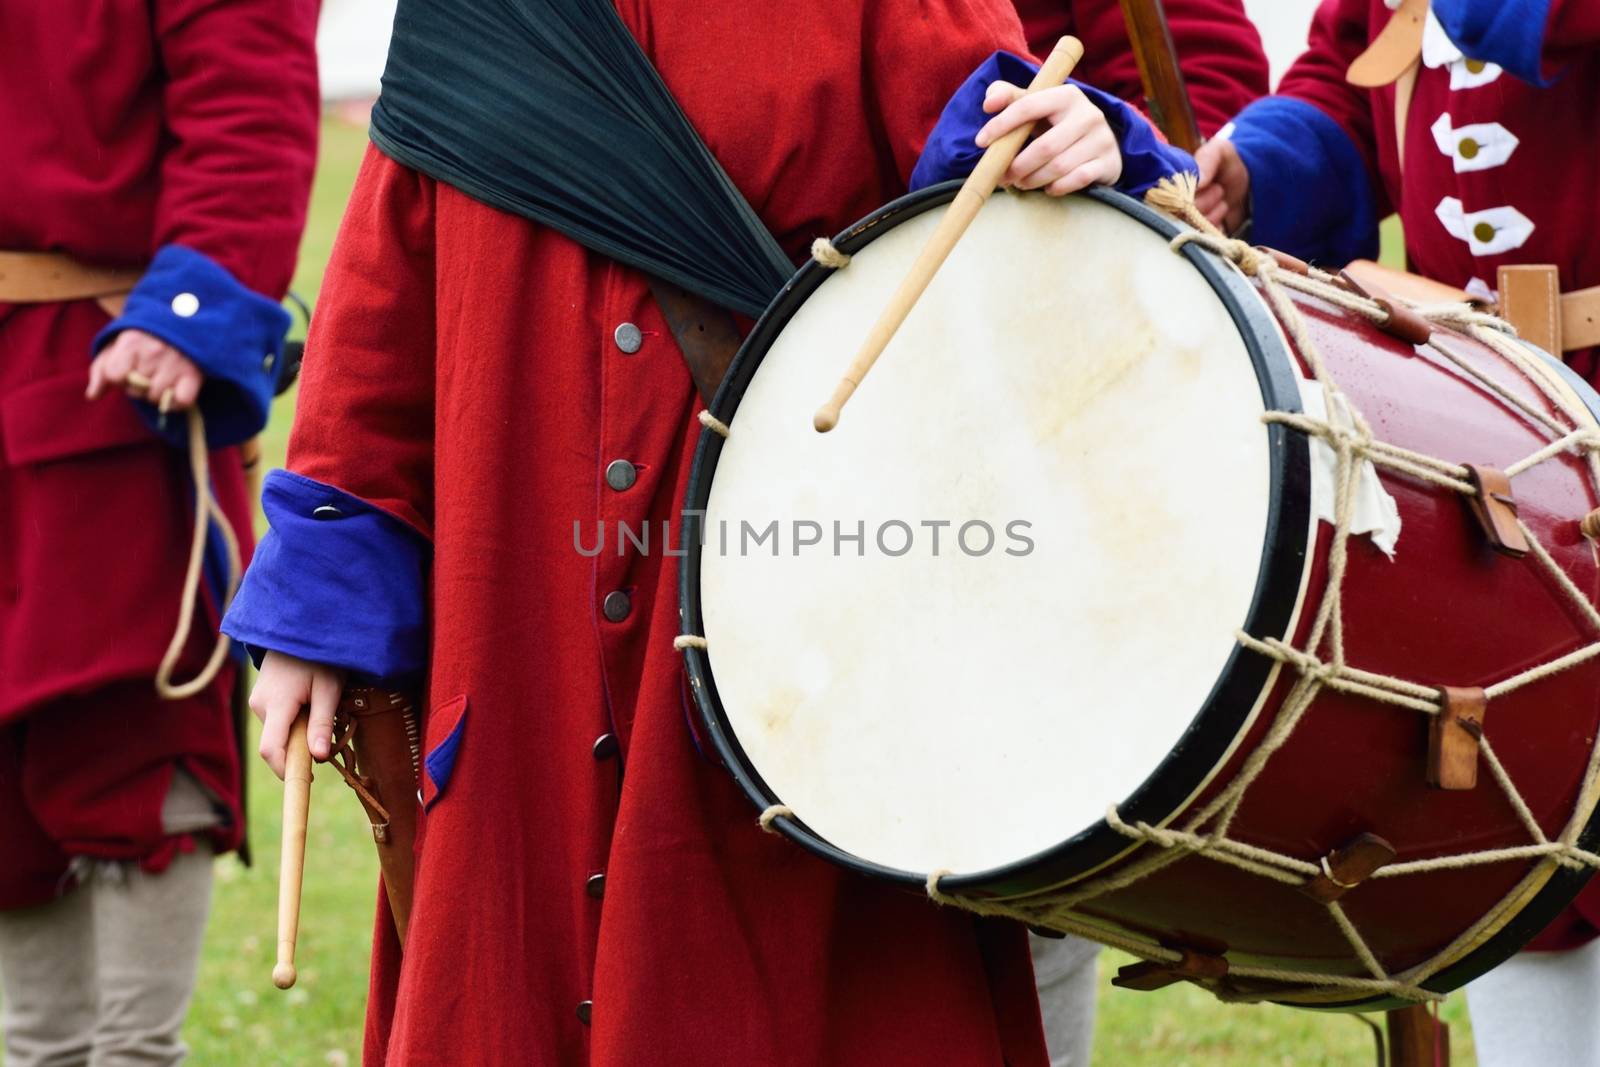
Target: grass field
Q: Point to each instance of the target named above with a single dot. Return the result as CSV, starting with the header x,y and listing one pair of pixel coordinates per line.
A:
x,y
239,1018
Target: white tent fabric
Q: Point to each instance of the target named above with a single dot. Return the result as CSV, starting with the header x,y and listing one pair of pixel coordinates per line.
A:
x,y
353,40
1283,25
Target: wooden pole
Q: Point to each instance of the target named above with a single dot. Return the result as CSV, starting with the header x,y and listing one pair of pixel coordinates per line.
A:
x,y
1417,1038
980,184
1164,88
292,862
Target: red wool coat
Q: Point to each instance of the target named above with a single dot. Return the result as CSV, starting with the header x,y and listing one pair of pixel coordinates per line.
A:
x,y
1218,47
1497,171
127,125
463,376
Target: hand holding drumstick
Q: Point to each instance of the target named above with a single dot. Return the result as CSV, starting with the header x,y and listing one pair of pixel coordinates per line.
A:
x,y
290,735
1079,150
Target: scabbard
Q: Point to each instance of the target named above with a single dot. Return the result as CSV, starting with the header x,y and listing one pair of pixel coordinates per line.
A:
x,y
380,743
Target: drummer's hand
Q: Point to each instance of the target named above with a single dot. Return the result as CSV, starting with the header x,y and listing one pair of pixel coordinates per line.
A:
x,y
1224,195
286,685
1077,151
148,368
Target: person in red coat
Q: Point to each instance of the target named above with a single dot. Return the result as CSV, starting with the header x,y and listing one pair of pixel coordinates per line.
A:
x,y
1219,51
169,143
1484,153
590,889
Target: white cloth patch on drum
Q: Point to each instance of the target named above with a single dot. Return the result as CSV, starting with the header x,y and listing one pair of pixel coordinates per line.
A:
x,y
1376,513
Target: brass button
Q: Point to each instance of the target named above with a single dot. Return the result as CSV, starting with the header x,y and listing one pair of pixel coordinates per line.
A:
x,y
585,1011
1476,66
617,605
620,474
605,746
628,338
1468,148
595,885
1483,232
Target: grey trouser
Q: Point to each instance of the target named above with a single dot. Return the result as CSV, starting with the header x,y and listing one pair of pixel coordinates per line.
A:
x,y
102,976
1539,1009
1065,972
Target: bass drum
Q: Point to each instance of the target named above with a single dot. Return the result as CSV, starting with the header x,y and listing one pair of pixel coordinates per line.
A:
x,y
1109,608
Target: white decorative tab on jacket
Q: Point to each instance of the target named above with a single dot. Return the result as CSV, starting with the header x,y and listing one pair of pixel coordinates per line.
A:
x,y
1491,232
1479,146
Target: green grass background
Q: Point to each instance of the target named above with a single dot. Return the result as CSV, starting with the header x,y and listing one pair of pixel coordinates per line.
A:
x,y
239,1018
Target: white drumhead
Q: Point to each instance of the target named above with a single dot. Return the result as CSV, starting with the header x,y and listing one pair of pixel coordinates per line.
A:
x,y
964,711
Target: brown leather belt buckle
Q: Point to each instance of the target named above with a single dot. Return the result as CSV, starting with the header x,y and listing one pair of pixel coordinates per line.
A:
x,y
1453,738
1495,508
1193,967
1348,866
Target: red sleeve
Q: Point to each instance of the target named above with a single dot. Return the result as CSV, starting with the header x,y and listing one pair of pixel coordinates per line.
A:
x,y
1574,28
1339,33
1219,51
241,111
916,55
364,420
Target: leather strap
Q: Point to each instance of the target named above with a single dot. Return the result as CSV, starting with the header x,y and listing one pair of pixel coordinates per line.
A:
x,y
1414,287
705,333
1453,738
1495,508
1348,866
1405,87
1530,299
54,278
1394,51
1580,319
1194,966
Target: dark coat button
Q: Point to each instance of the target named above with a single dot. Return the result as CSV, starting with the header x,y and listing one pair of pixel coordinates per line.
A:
x,y
620,474
595,885
617,605
628,338
585,1011
327,511
605,746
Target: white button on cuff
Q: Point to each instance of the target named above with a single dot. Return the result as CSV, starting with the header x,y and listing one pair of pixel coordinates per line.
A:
x,y
184,305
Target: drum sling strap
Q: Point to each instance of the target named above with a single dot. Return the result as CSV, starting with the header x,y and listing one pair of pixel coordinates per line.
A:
x,y
550,110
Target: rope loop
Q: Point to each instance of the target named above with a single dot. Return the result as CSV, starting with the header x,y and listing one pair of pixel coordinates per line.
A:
x,y
824,252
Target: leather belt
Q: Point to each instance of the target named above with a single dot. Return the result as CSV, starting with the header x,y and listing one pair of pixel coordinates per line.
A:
x,y
54,278
1527,297
706,335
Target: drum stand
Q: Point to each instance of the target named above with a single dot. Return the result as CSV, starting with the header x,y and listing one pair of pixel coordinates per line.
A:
x,y
1417,1038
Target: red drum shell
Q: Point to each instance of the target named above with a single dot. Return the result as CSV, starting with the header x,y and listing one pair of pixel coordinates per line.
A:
x,y
1354,766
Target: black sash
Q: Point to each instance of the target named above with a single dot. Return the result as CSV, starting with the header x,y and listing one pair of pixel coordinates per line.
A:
x,y
549,109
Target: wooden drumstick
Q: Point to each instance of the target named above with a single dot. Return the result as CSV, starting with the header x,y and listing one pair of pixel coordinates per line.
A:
x,y
292,860
975,192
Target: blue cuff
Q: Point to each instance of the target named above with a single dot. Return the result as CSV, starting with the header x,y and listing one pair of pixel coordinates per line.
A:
x,y
1310,193
951,152
233,334
335,581
1508,32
